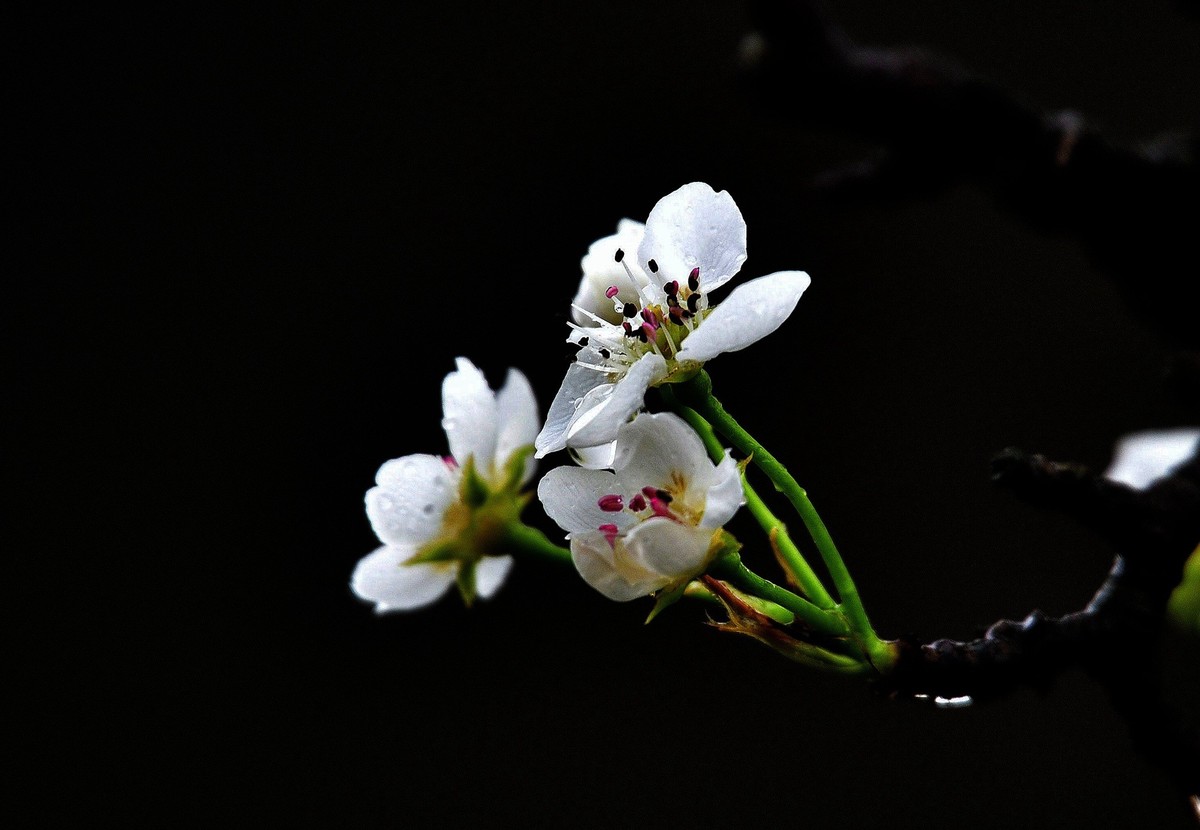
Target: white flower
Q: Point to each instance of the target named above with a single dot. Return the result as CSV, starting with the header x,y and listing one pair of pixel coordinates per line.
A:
x,y
649,523
417,501
1142,458
658,325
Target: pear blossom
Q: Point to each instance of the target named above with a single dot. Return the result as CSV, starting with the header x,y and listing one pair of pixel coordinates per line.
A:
x,y
651,321
417,504
653,521
1142,458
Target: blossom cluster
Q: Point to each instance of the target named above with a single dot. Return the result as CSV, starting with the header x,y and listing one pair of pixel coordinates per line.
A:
x,y
644,509
645,504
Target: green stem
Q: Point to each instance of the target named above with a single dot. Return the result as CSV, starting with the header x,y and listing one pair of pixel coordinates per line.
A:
x,y
697,393
793,560
522,539
731,569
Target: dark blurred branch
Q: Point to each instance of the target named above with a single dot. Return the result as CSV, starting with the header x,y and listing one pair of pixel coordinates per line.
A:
x,y
1114,638
1135,208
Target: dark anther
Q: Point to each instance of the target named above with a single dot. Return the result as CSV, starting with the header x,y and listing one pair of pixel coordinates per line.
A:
x,y
663,496
641,334
693,301
583,341
676,313
629,310
620,255
605,353
694,279
672,288
628,329
653,266
672,301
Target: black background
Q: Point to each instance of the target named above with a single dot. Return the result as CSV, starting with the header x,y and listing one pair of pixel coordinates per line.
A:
x,y
259,239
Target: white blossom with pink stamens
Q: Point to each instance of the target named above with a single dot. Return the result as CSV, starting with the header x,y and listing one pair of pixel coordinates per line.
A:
x,y
649,522
649,321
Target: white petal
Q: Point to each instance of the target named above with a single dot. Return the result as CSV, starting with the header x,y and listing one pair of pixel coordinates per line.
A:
x,y
748,314
411,498
695,227
595,458
601,270
517,421
578,382
382,578
657,448
469,410
1143,458
725,494
672,549
490,574
571,497
595,560
600,416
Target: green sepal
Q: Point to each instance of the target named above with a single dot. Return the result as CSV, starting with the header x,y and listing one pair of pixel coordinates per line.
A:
x,y
514,468
445,550
723,544
665,598
473,490
465,579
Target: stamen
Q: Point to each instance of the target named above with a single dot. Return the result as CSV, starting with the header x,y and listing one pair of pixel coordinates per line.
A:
x,y
672,288
637,504
629,310
605,353
583,341
660,508
650,317
653,266
611,503
693,302
664,495
694,279
670,341
612,291
595,318
619,256
610,533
